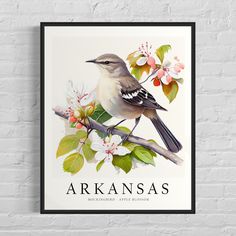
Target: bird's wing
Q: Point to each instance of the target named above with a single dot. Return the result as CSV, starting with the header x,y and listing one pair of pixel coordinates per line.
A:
x,y
133,93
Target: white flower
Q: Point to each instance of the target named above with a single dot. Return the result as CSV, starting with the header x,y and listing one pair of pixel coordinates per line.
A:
x,y
105,149
87,99
145,56
78,97
167,72
142,61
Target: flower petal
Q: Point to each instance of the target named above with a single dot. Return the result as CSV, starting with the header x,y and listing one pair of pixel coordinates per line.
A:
x,y
95,137
121,151
173,74
177,68
116,139
169,79
160,73
151,61
108,158
166,63
181,65
88,98
97,146
164,80
100,156
72,92
141,61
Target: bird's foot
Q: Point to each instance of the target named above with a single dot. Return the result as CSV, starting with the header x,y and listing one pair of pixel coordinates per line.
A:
x,y
110,129
124,139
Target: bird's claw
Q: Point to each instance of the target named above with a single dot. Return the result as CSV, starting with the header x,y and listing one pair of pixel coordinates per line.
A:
x,y
124,138
110,129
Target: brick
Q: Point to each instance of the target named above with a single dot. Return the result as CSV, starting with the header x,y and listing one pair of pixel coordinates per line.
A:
x,y
211,159
204,39
214,175
210,190
127,232
26,176
95,221
74,7
19,205
19,85
196,8
19,130
226,38
35,7
218,54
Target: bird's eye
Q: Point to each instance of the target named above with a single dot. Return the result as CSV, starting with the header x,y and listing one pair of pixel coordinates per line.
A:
x,y
106,62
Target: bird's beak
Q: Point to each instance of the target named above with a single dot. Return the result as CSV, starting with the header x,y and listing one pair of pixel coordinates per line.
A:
x,y
92,61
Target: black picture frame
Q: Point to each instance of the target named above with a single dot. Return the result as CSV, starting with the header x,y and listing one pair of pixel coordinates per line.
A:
x,y
43,25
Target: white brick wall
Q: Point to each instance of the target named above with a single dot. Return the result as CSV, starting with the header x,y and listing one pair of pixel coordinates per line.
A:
x,y
216,117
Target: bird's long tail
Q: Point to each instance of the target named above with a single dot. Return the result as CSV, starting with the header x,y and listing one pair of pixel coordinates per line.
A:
x,y
168,138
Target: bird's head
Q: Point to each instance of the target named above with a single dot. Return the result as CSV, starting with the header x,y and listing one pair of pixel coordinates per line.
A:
x,y
110,64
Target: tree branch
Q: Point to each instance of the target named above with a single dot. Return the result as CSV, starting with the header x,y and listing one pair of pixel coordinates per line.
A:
x,y
133,139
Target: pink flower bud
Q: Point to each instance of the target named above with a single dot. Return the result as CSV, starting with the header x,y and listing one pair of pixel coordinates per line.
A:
x,y
169,79
153,66
72,119
181,65
176,58
79,126
177,68
160,73
151,61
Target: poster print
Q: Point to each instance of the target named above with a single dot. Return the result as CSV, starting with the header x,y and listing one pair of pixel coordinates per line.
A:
x,y
117,118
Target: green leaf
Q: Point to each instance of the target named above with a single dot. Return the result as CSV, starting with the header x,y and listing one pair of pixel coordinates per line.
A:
x,y
180,80
129,145
152,141
101,134
88,152
161,51
67,144
143,155
72,125
138,71
123,162
99,165
151,152
124,129
81,134
73,163
170,90
100,115
132,59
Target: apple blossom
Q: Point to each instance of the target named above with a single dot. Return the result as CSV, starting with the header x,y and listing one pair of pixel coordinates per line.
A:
x,y
80,104
146,57
108,147
167,72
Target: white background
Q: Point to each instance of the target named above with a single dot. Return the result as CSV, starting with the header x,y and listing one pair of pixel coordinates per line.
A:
x,y
66,50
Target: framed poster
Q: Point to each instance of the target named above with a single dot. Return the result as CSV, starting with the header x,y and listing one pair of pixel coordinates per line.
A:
x,y
117,117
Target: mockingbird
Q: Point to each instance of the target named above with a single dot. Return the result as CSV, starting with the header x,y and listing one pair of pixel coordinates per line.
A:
x,y
122,96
